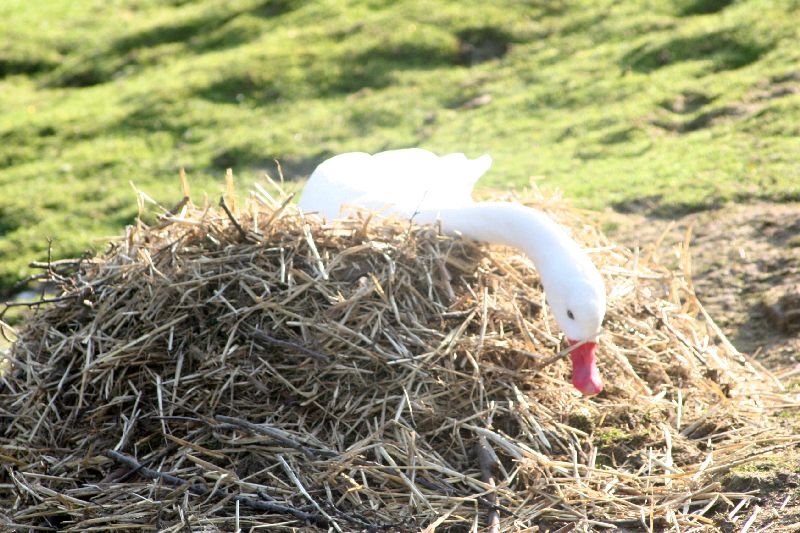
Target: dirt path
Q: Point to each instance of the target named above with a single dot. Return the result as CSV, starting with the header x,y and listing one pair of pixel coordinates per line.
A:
x,y
746,272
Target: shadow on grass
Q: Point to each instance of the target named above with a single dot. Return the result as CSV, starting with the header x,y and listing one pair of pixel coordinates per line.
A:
x,y
704,120
726,50
235,87
688,8
10,66
659,207
82,75
656,206
478,45
374,68
10,220
149,118
243,157
276,8
205,33
199,34
686,102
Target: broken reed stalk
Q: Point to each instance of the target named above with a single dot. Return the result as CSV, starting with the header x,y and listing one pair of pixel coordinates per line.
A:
x,y
488,461
258,368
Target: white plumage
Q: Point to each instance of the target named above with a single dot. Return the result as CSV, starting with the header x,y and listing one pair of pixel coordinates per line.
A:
x,y
398,181
417,183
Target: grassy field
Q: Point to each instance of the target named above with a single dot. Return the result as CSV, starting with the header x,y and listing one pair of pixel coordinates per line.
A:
x,y
643,105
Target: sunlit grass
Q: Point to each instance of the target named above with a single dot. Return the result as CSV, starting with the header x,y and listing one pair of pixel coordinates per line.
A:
x,y
687,104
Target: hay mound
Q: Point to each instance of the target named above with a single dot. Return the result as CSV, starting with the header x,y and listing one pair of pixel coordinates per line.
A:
x,y
221,370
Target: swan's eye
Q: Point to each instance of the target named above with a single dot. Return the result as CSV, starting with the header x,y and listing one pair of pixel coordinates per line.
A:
x,y
570,315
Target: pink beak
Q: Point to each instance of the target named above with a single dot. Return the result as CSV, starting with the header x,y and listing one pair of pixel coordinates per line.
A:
x,y
585,376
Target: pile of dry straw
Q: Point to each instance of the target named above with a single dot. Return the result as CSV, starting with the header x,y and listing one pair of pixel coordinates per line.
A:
x,y
228,368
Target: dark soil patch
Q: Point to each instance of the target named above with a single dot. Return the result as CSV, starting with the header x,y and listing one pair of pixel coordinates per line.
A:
x,y
743,257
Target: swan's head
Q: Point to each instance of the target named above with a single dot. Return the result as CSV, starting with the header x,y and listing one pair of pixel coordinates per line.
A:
x,y
579,306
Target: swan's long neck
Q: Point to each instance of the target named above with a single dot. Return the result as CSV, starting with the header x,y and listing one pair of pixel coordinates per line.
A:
x,y
533,232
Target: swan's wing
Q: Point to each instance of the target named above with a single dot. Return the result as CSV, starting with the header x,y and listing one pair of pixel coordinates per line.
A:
x,y
397,181
338,181
429,182
456,180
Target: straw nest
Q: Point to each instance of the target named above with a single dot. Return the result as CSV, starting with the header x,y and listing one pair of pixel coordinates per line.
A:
x,y
222,369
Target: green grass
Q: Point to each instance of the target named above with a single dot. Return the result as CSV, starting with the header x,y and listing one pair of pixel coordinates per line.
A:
x,y
675,105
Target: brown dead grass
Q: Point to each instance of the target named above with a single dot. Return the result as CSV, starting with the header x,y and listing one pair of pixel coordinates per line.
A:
x,y
257,368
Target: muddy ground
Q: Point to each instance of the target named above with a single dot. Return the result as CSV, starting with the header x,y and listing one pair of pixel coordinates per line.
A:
x,y
746,272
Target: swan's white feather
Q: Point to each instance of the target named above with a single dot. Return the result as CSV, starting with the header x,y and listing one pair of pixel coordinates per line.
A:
x,y
398,181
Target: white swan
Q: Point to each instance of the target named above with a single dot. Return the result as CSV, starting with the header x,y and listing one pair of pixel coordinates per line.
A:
x,y
417,183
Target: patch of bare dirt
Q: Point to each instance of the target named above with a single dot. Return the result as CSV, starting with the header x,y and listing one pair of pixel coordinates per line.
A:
x,y
745,269
746,272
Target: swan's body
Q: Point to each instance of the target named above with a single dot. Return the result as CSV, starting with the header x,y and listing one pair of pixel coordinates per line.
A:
x,y
417,183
